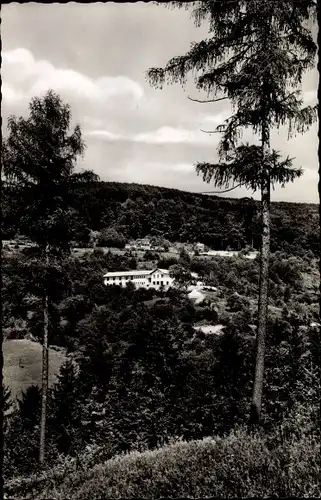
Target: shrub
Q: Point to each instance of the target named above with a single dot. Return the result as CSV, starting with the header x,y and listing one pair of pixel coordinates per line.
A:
x,y
21,441
16,329
237,465
166,263
236,302
111,238
150,256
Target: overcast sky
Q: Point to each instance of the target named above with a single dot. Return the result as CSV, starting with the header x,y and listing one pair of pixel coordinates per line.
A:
x,y
95,56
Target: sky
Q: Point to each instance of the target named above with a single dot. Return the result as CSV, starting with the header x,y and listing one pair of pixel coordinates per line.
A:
x,y
96,56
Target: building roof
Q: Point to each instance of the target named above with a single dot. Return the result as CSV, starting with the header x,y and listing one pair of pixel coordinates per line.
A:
x,y
134,272
128,273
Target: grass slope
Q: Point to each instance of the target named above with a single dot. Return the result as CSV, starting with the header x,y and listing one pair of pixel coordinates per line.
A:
x,y
22,364
239,465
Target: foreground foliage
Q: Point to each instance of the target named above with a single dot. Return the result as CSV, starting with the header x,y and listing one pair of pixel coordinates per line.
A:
x,y
235,465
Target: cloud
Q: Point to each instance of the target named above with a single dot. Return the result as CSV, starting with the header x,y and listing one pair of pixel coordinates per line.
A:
x,y
178,175
92,122
310,174
25,77
163,135
9,94
215,120
105,134
310,97
172,135
183,168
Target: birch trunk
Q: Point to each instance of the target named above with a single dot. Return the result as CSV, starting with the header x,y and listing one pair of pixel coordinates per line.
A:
x,y
45,370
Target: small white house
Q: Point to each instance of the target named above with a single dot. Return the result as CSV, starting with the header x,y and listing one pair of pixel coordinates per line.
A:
x,y
199,247
210,329
143,244
155,278
130,246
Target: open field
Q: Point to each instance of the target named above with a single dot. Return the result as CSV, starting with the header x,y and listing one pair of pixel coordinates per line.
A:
x,y
11,246
119,251
22,364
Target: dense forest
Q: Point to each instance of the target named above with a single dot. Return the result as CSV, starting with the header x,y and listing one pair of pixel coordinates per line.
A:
x,y
138,374
136,211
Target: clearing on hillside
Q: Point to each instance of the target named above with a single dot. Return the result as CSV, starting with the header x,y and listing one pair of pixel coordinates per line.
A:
x,y
22,364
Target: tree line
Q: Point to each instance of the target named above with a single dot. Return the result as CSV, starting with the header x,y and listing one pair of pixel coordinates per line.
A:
x,y
120,212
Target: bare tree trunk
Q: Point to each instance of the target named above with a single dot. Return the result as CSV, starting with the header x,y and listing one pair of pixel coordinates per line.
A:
x,y
45,369
263,291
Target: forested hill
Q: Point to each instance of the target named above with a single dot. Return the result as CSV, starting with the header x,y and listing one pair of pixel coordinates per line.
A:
x,y
136,211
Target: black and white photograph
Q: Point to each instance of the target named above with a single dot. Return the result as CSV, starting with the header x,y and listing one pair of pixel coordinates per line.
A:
x,y
160,250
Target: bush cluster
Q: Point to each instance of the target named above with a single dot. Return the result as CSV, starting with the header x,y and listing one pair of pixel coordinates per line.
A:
x,y
233,466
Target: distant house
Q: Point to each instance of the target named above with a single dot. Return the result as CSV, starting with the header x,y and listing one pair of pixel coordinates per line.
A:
x,y
199,247
130,246
210,329
220,253
143,244
155,278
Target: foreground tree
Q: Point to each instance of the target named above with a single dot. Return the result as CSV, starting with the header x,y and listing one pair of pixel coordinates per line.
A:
x,y
39,156
255,58
67,411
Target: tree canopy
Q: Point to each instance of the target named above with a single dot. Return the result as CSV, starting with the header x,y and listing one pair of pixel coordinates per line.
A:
x,y
39,157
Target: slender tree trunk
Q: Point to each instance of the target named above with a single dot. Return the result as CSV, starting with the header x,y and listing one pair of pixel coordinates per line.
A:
x,y
263,290
45,369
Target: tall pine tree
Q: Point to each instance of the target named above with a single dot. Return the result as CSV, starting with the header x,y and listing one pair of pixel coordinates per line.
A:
x,y
255,57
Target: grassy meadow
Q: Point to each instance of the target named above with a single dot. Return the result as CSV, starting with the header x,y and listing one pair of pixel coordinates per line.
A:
x,y
22,364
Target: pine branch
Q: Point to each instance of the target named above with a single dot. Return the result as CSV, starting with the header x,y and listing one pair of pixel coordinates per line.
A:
x,y
209,100
212,131
225,191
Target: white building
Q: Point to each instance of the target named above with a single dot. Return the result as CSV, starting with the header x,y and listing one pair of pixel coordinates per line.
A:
x,y
155,278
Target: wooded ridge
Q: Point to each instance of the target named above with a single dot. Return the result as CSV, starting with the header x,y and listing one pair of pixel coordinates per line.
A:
x,y
138,210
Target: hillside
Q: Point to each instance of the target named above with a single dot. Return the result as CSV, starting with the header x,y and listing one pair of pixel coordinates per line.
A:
x,y
193,469
146,374
136,211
